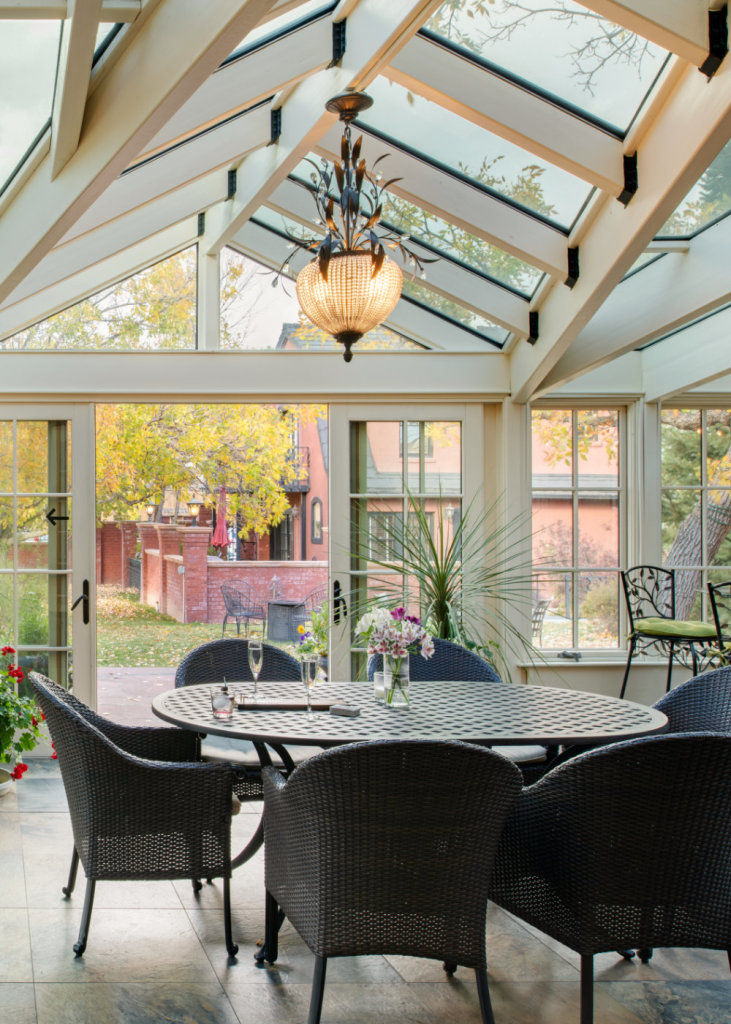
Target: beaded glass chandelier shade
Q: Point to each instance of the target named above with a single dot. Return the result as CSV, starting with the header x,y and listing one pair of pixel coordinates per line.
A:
x,y
353,298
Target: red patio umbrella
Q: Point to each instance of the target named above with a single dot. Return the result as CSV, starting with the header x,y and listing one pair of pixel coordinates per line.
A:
x,y
220,534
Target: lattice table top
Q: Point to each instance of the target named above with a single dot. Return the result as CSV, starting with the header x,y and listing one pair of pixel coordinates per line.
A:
x,y
493,713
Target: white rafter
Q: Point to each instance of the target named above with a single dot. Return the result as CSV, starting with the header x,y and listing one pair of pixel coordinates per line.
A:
x,y
78,37
698,112
501,106
42,10
674,365
657,299
176,49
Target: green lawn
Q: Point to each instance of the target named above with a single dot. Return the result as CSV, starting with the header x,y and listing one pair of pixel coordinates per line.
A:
x,y
132,634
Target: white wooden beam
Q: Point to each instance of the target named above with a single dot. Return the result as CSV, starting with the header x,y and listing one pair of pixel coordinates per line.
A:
x,y
377,29
680,26
249,376
688,359
78,37
196,158
117,236
698,113
43,10
654,301
495,103
242,83
469,207
95,277
177,48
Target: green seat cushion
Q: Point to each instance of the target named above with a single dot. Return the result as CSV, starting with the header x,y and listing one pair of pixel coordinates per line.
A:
x,y
675,627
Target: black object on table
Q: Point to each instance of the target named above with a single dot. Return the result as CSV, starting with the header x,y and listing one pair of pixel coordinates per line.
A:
x,y
283,617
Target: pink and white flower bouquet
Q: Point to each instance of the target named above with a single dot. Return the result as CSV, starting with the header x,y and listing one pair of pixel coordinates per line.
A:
x,y
395,635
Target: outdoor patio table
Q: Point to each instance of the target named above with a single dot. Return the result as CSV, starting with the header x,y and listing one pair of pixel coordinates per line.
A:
x,y
484,713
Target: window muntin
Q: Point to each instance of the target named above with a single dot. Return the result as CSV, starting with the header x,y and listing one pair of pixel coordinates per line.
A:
x,y
577,510
485,158
563,48
28,58
696,503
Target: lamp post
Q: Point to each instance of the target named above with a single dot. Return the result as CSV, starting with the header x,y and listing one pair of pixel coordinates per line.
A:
x,y
194,508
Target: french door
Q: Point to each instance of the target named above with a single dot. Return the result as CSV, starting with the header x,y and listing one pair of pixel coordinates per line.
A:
x,y
47,541
385,460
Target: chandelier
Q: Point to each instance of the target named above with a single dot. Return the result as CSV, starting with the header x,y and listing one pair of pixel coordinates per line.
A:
x,y
351,285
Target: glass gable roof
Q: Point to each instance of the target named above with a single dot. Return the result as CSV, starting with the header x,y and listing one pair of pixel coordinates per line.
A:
x,y
709,199
486,159
28,58
563,48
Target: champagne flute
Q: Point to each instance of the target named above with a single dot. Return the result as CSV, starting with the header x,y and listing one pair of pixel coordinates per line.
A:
x,y
256,660
308,668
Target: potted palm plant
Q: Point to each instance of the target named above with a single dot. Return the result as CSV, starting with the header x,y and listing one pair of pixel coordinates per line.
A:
x,y
473,577
20,721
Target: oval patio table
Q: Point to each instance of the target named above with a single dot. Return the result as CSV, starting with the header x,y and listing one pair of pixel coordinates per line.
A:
x,y
489,714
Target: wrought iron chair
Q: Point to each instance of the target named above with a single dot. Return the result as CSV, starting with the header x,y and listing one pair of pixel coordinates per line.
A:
x,y
242,605
386,847
649,592
316,598
450,661
140,805
627,846
720,597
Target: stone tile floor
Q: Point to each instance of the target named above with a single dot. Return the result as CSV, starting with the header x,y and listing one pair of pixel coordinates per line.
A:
x,y
156,953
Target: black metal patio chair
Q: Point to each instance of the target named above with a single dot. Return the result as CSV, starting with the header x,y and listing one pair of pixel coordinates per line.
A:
x,y
141,807
627,846
242,605
649,592
386,847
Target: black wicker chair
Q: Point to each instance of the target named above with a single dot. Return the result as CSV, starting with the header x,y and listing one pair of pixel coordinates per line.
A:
x,y
140,807
627,846
228,659
386,847
702,704
242,605
649,592
451,661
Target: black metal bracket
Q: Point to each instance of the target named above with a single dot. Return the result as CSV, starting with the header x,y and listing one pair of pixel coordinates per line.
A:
x,y
339,42
717,41
630,178
573,262
201,224
275,125
533,326
231,184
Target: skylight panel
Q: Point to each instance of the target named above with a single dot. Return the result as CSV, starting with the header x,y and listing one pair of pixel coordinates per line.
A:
x,y
481,156
278,26
28,58
562,48
709,199
451,310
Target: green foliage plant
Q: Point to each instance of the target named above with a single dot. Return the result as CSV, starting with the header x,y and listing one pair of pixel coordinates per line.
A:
x,y
20,719
474,581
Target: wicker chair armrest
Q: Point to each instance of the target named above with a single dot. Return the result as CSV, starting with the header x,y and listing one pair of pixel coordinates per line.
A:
x,y
154,743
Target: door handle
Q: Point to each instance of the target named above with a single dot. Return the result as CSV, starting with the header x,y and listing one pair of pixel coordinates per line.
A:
x,y
339,603
83,599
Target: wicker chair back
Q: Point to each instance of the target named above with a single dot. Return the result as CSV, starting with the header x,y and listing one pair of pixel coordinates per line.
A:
x,y
228,658
702,704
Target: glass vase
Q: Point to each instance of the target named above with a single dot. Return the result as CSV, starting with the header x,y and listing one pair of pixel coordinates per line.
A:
x,y
396,682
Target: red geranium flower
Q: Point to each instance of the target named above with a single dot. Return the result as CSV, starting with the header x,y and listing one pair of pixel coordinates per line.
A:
x,y
8,650
19,770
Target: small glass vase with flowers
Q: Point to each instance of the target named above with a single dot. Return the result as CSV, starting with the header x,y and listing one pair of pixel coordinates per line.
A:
x,y
20,720
395,635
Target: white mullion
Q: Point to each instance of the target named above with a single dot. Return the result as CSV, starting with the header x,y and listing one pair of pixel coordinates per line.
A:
x,y
514,113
